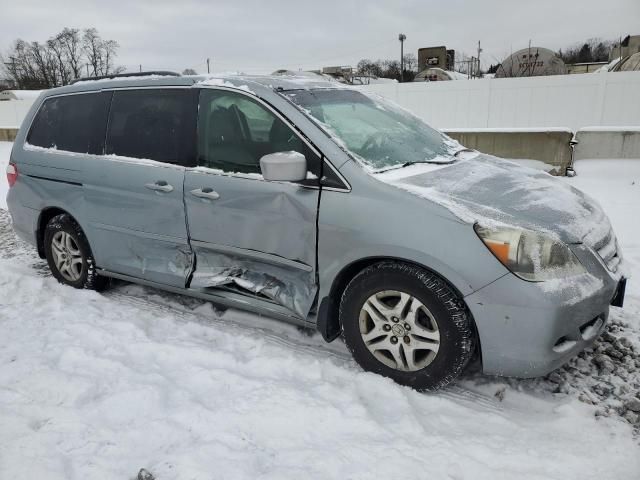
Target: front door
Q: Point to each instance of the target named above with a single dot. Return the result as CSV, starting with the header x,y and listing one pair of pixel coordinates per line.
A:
x,y
134,193
251,236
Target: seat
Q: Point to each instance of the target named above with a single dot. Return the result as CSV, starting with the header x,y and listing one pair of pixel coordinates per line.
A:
x,y
227,149
282,139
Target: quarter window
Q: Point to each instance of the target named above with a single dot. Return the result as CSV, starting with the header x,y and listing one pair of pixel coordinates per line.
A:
x,y
234,132
73,123
152,124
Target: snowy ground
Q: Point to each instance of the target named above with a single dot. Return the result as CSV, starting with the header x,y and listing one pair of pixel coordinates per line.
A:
x,y
100,385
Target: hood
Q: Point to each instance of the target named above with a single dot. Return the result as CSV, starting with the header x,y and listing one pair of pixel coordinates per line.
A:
x,y
494,192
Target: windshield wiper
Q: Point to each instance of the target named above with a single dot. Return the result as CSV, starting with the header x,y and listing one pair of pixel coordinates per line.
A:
x,y
462,150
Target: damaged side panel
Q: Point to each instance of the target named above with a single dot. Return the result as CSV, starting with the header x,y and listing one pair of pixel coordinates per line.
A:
x,y
291,286
256,237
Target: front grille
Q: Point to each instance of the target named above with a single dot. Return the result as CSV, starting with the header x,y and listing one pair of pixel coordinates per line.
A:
x,y
608,250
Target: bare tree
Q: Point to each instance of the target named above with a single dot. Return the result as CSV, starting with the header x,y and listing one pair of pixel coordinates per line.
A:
x,y
189,71
593,50
59,60
69,40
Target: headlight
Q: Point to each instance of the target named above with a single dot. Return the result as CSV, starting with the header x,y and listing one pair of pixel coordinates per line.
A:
x,y
531,256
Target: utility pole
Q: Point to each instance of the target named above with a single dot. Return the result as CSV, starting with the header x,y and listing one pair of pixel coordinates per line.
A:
x,y
479,51
13,70
208,66
402,37
140,68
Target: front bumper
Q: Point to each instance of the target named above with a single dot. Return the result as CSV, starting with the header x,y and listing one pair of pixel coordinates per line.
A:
x,y
529,329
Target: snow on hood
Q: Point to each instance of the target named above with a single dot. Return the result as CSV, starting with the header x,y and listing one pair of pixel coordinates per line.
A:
x,y
496,192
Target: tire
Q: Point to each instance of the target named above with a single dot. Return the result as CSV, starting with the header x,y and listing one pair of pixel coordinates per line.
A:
x,y
69,255
434,335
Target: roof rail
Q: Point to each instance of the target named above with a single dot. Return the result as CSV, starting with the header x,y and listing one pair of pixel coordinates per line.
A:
x,y
164,73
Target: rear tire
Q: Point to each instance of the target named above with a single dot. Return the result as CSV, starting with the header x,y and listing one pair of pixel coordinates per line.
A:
x,y
69,255
408,324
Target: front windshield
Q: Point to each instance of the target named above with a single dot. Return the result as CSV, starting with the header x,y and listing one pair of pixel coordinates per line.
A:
x,y
375,131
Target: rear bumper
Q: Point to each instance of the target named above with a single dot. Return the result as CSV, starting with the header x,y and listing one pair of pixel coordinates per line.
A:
x,y
24,220
529,329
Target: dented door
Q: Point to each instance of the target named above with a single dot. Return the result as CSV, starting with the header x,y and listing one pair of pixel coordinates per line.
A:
x,y
133,194
251,236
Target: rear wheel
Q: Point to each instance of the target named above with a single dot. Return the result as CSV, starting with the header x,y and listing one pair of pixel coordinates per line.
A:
x,y
69,255
406,323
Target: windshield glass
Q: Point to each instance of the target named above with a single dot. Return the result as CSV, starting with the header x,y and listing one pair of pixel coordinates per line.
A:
x,y
378,133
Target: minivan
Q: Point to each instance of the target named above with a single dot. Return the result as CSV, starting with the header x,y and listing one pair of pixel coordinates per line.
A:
x,y
322,205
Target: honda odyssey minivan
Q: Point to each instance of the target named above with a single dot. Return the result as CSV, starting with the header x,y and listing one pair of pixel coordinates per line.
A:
x,y
321,205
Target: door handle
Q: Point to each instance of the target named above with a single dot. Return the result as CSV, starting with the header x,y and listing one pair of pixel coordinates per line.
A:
x,y
206,193
159,186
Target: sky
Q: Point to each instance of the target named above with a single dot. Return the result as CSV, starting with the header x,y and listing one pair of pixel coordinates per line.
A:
x,y
261,36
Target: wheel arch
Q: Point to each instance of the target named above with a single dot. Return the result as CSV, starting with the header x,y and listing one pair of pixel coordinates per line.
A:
x,y
47,214
328,321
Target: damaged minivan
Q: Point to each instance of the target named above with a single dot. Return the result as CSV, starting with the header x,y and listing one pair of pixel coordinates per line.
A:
x,y
321,205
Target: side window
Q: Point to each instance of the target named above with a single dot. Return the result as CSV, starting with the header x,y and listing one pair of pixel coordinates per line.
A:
x,y
73,123
235,131
152,124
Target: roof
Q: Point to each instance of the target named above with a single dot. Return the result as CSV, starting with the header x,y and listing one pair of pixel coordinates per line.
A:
x,y
244,82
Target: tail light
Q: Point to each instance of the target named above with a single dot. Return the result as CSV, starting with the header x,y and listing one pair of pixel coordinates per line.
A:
x,y
12,174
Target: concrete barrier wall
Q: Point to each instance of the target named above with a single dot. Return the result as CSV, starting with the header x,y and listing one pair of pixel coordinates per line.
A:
x,y
8,134
603,142
546,149
569,101
13,111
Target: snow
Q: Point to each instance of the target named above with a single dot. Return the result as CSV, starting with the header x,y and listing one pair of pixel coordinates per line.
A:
x,y
221,82
99,385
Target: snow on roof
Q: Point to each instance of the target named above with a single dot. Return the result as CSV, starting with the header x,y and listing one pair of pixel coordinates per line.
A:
x,y
609,66
283,82
19,94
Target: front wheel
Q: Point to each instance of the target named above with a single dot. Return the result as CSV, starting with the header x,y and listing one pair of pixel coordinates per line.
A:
x,y
406,323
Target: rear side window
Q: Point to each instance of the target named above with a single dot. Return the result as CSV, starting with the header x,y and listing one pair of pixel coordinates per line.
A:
x,y
73,123
153,124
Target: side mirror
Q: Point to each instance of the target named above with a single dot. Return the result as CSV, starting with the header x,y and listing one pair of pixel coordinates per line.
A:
x,y
284,167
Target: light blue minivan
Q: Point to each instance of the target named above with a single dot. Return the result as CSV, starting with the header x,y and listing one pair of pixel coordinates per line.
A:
x,y
321,205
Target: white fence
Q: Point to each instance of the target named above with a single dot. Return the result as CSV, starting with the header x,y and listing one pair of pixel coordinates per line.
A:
x,y
13,111
572,101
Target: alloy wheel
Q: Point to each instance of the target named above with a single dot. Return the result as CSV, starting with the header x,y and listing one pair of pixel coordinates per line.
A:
x,y
67,256
399,330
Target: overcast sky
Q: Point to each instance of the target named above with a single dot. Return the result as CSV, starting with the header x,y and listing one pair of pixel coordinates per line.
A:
x,y
261,36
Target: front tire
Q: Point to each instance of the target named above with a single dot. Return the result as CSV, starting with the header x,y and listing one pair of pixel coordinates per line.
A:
x,y
408,324
69,255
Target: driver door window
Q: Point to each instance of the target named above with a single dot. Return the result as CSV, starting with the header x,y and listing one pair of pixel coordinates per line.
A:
x,y
235,131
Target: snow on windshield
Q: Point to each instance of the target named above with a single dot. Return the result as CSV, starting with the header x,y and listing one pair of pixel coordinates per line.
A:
x,y
377,133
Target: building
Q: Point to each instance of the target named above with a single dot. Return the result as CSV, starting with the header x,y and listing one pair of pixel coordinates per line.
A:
x,y
630,64
531,62
435,74
436,57
627,47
